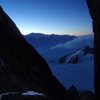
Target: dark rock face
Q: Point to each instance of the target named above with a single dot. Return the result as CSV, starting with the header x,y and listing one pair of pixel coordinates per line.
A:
x,y
74,92
74,59
87,50
62,60
86,95
27,97
21,67
94,8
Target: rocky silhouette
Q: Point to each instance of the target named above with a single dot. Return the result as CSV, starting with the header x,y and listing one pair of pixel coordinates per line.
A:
x,y
74,92
94,9
21,67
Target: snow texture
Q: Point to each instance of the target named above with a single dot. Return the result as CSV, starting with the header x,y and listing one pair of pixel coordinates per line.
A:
x,y
31,93
81,74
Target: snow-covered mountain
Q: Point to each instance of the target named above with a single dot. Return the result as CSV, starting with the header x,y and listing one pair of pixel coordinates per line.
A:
x,y
46,41
79,42
79,56
79,49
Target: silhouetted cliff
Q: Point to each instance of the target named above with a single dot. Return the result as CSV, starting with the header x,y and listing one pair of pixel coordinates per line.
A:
x,y
94,9
21,67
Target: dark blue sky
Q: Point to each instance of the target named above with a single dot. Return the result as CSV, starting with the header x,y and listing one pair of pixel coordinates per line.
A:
x,y
49,16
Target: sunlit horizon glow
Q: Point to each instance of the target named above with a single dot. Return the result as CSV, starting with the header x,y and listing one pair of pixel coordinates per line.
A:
x,y
69,17
60,33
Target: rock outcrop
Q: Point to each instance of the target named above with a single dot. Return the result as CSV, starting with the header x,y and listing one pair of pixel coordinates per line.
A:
x,y
21,67
86,95
76,56
74,92
94,9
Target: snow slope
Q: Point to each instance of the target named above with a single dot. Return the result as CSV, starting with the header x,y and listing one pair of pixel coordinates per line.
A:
x,y
78,42
80,74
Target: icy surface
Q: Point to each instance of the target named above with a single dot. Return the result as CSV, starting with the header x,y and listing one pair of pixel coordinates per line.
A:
x,y
80,74
31,93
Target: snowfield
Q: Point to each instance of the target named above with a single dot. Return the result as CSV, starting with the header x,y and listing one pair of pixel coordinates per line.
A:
x,y
28,93
31,93
79,72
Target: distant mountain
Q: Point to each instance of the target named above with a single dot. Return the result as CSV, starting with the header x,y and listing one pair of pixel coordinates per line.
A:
x,y
38,40
78,42
76,49
72,62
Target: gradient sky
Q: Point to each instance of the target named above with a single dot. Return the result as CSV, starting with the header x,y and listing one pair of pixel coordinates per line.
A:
x,y
49,16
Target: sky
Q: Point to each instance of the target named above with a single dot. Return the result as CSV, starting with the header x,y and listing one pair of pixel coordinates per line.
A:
x,y
49,16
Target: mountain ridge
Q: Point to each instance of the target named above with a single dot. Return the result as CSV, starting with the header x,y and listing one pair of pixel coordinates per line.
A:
x,y
40,40
21,67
